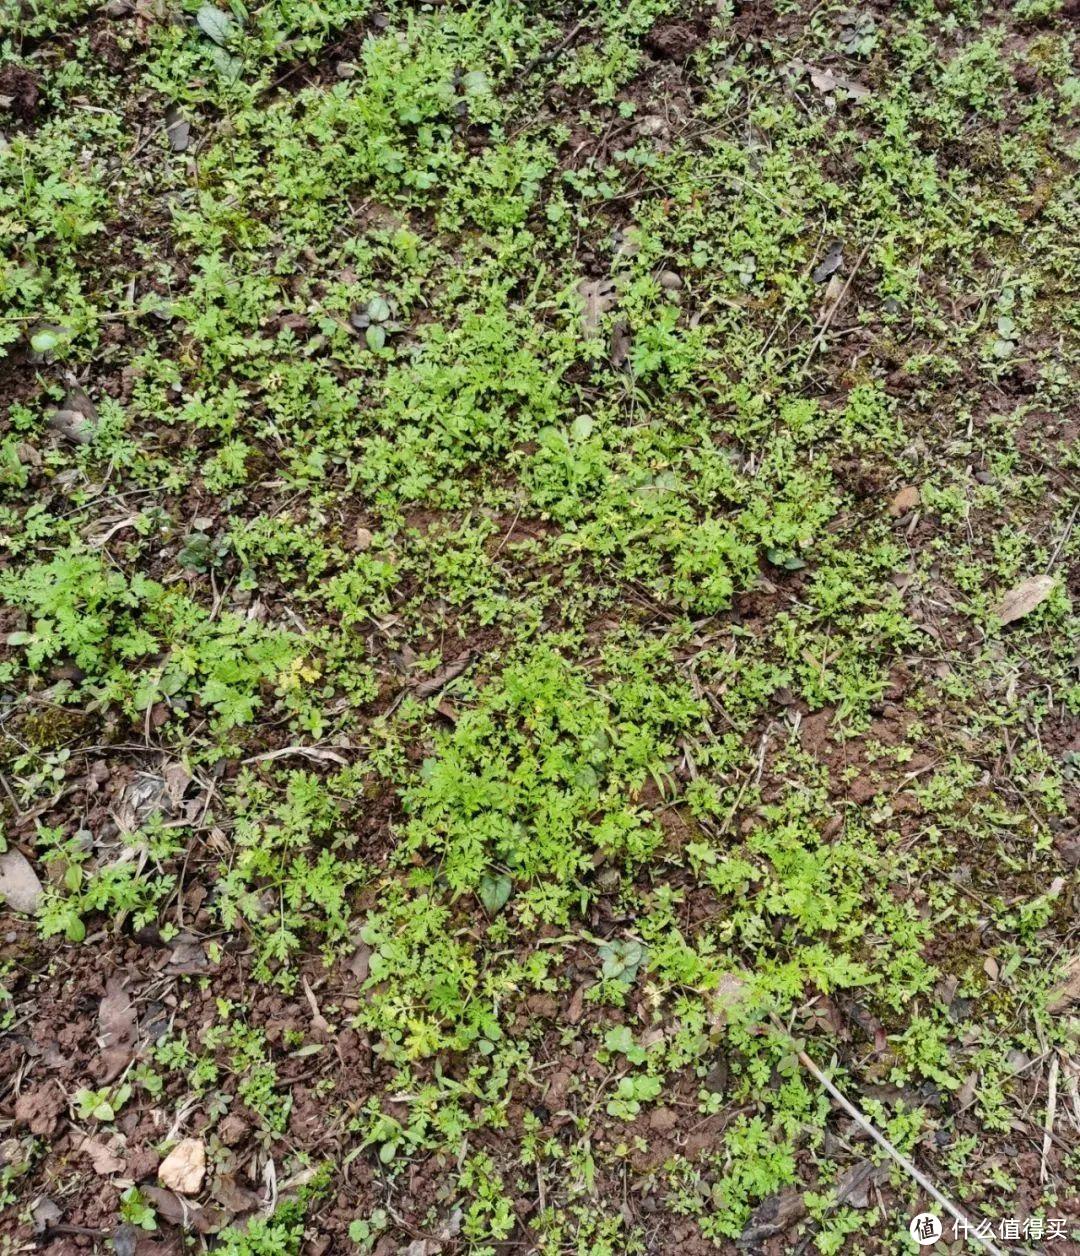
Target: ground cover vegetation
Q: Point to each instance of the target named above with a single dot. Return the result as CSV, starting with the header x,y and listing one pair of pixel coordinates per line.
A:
x,y
539,582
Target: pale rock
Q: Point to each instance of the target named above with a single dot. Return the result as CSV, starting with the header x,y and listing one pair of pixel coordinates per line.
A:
x,y
184,1168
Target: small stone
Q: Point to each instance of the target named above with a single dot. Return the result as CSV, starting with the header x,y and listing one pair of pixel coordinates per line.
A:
x,y
364,538
20,885
670,281
184,1168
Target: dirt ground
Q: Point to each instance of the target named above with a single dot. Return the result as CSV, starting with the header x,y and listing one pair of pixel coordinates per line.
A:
x,y
538,595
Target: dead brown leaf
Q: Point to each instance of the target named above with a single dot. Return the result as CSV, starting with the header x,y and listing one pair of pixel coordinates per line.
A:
x,y
102,1156
233,1196
181,1212
359,962
904,501
826,81
445,674
577,1003
116,1029
1024,597
1068,988
177,779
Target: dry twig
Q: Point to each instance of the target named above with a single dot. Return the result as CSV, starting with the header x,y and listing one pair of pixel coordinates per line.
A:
x,y
1051,1112
969,1229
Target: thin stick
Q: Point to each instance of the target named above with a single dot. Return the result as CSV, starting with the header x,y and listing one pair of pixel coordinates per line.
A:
x,y
969,1229
1064,538
819,339
546,58
306,752
1051,1112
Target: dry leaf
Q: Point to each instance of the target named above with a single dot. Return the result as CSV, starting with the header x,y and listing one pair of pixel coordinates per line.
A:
x,y
20,887
116,1029
966,1093
834,294
234,1197
359,962
907,499
621,343
176,1211
439,679
177,779
773,1216
1068,989
1022,599
103,1158
577,1003
184,1168
826,81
